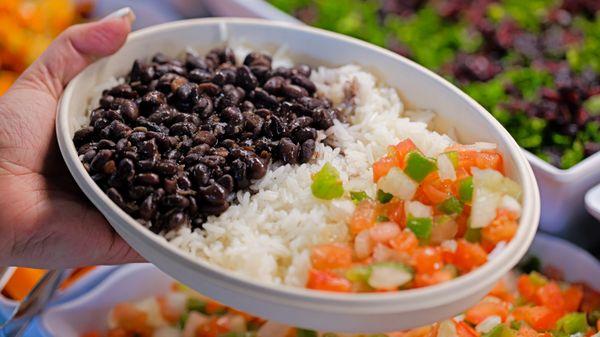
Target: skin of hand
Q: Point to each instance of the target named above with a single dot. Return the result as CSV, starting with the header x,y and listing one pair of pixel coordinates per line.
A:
x,y
45,220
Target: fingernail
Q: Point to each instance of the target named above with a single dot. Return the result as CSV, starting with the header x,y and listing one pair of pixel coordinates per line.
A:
x,y
125,12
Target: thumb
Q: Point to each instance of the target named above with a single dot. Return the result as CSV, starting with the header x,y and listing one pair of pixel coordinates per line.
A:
x,y
75,49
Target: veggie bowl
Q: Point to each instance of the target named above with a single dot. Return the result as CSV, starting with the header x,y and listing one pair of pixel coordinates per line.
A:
x,y
260,293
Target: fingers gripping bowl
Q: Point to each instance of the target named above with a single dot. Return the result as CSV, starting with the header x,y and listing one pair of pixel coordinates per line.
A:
x,y
418,87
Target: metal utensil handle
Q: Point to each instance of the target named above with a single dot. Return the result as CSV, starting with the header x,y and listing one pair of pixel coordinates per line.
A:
x,y
33,304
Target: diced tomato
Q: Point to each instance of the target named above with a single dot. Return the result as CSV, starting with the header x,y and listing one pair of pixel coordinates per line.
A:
x,y
402,149
131,319
485,309
538,317
527,288
331,256
572,297
503,228
440,276
468,159
213,328
501,291
363,217
405,242
394,210
427,260
462,220
214,307
465,330
551,296
383,166
467,256
435,189
324,280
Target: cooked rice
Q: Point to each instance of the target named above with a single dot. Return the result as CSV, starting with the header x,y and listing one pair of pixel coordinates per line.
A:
x,y
267,236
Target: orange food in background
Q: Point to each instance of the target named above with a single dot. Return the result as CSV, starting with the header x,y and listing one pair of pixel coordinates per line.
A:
x,y
28,27
24,279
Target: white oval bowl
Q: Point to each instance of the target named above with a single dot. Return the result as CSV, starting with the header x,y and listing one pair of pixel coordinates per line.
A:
x,y
89,312
297,306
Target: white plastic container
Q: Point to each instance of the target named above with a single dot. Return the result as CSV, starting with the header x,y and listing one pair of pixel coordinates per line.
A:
x,y
562,191
88,312
296,306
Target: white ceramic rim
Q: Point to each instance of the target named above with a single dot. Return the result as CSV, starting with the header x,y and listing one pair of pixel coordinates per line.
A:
x,y
413,298
592,201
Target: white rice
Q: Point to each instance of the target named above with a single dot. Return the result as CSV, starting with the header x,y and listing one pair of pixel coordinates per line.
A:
x,y
267,236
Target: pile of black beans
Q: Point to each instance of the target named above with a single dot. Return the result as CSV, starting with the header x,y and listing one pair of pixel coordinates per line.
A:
x,y
173,144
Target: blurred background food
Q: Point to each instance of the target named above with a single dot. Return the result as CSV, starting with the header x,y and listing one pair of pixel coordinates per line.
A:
x,y
27,28
533,64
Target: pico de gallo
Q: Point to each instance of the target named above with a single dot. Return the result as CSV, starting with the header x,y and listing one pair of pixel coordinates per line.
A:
x,y
431,220
525,305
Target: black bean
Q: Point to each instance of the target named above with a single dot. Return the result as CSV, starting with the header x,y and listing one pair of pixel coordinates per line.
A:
x,y
123,91
213,194
166,167
288,151
264,98
194,62
257,59
232,115
88,156
210,89
115,196
205,137
184,128
184,183
139,192
294,91
176,201
323,118
224,76
307,149
257,168
176,220
109,167
126,170
245,78
100,159
253,123
147,179
302,134
148,208
151,101
227,182
274,85
304,83
83,135
302,69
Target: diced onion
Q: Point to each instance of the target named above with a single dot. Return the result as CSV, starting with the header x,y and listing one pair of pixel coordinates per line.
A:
x,y
488,324
195,320
384,231
152,309
273,329
496,182
483,210
388,277
363,245
418,210
398,184
511,204
449,245
447,328
446,168
444,228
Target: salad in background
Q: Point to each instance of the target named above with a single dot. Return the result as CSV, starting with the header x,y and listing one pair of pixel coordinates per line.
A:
x,y
28,27
533,64
523,304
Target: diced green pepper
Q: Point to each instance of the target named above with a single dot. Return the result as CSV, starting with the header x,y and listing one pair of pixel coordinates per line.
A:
x,y
358,196
382,218
532,263
593,317
384,197
183,319
327,183
573,323
473,234
421,227
451,206
500,330
516,324
358,274
418,166
465,189
306,333
195,304
537,278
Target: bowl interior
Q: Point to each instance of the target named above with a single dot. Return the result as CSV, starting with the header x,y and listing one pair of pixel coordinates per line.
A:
x,y
418,88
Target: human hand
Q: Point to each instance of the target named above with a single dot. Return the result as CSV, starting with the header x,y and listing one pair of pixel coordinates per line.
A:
x,y
45,220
